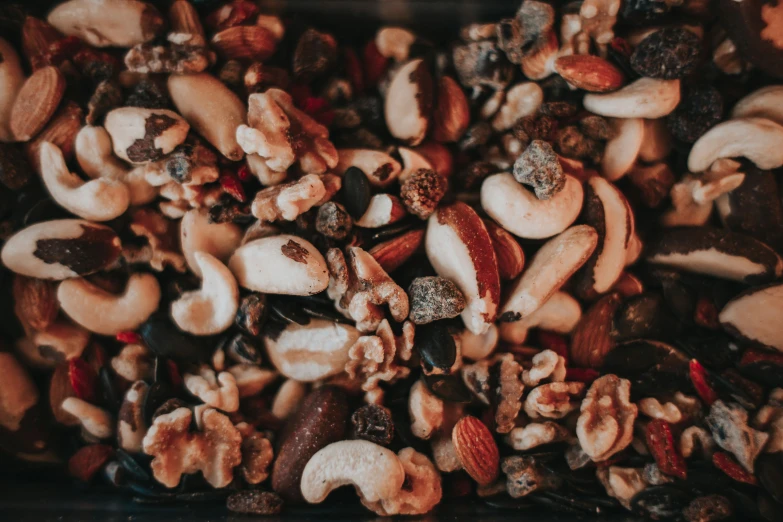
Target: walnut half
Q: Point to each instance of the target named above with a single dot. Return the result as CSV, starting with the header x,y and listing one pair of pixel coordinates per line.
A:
x,y
605,425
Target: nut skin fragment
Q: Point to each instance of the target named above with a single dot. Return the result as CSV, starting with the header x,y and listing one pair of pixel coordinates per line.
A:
x,y
605,425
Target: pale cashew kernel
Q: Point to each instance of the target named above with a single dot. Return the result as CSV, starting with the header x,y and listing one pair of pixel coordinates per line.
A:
x,y
95,421
211,309
623,148
101,199
107,314
644,98
758,139
559,314
217,391
426,411
376,472
423,490
197,234
653,408
766,102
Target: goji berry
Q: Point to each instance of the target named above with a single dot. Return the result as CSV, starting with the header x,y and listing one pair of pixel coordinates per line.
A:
x,y
325,118
83,379
660,442
729,465
621,46
585,375
231,185
312,105
299,93
244,174
699,379
374,64
87,461
128,337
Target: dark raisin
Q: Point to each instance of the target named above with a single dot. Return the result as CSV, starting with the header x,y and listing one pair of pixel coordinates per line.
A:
x,y
315,54
149,95
374,423
436,346
243,350
15,171
668,54
643,11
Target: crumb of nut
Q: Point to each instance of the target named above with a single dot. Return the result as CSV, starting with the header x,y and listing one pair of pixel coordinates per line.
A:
x,y
374,423
572,143
524,476
333,221
257,456
376,358
422,191
433,298
540,168
255,502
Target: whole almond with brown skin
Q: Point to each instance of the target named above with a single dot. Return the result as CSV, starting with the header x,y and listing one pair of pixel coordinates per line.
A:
x,y
393,253
60,389
36,102
37,39
320,420
476,450
61,131
588,72
35,302
592,338
249,42
510,256
452,113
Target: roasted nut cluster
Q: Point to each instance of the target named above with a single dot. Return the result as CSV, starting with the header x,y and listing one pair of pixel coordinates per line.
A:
x,y
249,262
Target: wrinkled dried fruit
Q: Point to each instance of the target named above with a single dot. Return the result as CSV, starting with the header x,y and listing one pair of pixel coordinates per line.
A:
x,y
374,423
660,442
667,54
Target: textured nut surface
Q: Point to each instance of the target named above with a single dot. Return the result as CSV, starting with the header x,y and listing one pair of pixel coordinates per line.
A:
x,y
36,102
376,472
18,393
11,81
421,492
605,425
554,400
426,410
108,314
216,390
451,115
476,450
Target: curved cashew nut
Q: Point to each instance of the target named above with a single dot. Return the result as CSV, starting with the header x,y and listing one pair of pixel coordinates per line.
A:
x,y
758,139
211,309
97,200
622,150
766,102
95,421
519,211
559,314
197,234
94,152
644,98
108,314
375,471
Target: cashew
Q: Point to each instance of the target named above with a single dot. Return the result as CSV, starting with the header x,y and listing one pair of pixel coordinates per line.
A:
x,y
622,150
107,23
218,391
559,314
197,234
93,150
766,102
211,309
757,139
97,200
211,108
11,80
644,98
424,489
380,168
107,314
519,211
376,472
95,421
478,346
425,409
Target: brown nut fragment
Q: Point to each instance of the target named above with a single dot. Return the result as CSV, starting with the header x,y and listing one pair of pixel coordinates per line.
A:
x,y
255,502
215,450
393,253
451,116
359,287
175,58
653,183
257,457
476,450
547,365
554,400
35,302
11,81
36,102
373,422
524,476
409,102
131,424
591,73
540,168
245,42
433,298
107,23
420,493
422,191
605,425
315,54
729,426
288,201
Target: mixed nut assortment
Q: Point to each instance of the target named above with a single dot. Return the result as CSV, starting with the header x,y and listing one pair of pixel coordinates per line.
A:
x,y
539,266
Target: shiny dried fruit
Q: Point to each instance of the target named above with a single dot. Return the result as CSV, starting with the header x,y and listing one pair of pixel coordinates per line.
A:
x,y
668,54
660,442
699,379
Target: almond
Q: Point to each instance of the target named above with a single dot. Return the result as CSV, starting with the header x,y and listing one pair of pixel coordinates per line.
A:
x,y
61,131
249,42
589,72
451,116
36,102
184,19
592,338
476,450
35,302
60,389
37,39
510,256
393,253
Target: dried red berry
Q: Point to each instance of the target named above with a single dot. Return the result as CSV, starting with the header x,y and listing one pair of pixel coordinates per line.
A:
x,y
325,118
586,375
757,354
300,93
728,464
699,380
86,462
128,337
621,46
374,64
83,379
312,105
706,314
660,442
231,185
555,342
244,174
174,376
353,68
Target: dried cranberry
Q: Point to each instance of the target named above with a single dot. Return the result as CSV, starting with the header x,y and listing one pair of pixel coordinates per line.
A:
x,y
353,68
128,337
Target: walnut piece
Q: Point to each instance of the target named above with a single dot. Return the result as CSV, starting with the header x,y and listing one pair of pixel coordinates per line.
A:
x,y
597,19
536,434
770,419
286,202
215,450
622,483
524,476
375,358
281,135
162,239
546,365
257,454
359,287
653,408
175,58
506,395
420,492
218,391
554,400
605,425
133,363
695,437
